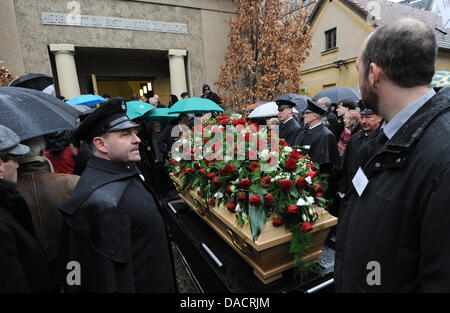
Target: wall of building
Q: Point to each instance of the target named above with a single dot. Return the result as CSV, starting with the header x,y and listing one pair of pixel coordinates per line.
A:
x,y
203,18
318,71
443,61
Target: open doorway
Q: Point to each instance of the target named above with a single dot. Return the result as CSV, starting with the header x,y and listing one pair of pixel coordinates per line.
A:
x,y
123,72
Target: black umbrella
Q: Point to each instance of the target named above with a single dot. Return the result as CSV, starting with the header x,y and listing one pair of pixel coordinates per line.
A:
x,y
339,93
299,100
30,113
33,81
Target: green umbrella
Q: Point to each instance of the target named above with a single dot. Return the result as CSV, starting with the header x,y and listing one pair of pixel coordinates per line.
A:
x,y
160,115
440,79
138,108
195,105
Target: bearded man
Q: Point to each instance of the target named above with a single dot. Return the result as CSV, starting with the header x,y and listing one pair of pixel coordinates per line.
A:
x,y
393,235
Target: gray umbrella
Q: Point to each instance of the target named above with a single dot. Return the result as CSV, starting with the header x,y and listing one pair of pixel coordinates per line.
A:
x,y
33,81
339,93
30,113
299,100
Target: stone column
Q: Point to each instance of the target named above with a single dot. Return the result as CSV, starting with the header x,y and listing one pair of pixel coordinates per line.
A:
x,y
177,72
66,68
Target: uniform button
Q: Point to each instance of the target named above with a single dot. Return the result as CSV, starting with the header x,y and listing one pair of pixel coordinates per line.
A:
x,y
398,160
377,164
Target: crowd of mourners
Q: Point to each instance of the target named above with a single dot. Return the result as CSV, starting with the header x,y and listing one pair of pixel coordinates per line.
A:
x,y
81,210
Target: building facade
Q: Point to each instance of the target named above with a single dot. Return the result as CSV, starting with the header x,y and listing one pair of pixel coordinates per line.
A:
x,y
116,46
338,29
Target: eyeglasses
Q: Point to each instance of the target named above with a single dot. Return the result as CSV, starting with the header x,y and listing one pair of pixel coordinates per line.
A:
x,y
206,89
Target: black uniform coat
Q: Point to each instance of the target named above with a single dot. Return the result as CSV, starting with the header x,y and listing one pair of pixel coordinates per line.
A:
x,y
322,145
23,265
402,219
113,228
289,131
357,153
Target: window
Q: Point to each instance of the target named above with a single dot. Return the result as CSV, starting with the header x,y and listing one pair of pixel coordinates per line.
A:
x,y
330,39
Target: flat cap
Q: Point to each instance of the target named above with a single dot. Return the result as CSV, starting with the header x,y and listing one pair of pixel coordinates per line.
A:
x,y
10,143
109,117
315,108
367,111
283,104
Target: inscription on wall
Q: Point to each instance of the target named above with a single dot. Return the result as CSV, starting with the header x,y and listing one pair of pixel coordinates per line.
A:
x,y
112,22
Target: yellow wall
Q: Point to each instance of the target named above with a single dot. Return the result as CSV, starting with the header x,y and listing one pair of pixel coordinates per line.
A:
x,y
443,61
351,30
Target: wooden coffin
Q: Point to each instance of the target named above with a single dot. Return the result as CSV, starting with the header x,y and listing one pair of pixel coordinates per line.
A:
x,y
269,255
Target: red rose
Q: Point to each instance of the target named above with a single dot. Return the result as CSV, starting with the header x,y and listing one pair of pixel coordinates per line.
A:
x,y
224,122
317,187
312,174
261,145
286,185
175,173
311,166
215,182
255,200
254,166
291,164
235,122
301,183
266,182
252,155
231,207
268,199
173,162
241,121
295,154
306,227
228,190
272,160
240,127
192,171
216,147
211,202
242,196
201,171
283,143
319,194
210,176
245,184
292,209
276,221
189,186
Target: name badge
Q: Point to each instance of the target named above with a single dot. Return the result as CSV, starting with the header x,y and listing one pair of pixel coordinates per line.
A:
x,y
360,181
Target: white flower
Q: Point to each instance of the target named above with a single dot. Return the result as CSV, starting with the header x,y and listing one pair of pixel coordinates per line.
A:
x,y
178,159
288,149
308,179
310,200
301,202
218,195
263,154
238,208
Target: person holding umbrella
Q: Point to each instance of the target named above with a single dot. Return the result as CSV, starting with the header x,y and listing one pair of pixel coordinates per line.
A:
x,y
23,266
112,224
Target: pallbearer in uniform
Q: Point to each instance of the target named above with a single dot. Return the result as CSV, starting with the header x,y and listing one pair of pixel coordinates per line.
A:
x,y
112,224
319,143
358,151
316,140
289,128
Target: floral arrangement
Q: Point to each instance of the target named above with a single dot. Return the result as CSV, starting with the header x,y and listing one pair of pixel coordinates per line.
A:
x,y
266,178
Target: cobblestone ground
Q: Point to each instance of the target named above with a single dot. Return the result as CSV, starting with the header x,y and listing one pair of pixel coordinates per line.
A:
x,y
184,282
